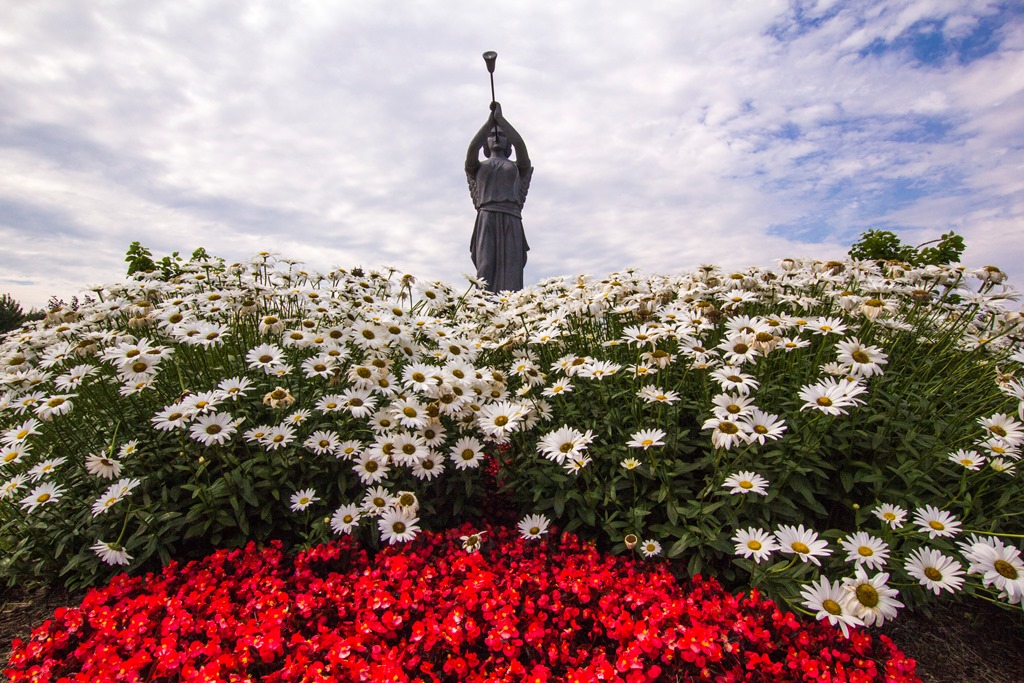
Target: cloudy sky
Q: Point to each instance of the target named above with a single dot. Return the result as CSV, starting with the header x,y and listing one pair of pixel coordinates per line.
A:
x,y
664,136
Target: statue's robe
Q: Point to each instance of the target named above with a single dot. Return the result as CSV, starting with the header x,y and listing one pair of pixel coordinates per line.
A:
x,y
498,244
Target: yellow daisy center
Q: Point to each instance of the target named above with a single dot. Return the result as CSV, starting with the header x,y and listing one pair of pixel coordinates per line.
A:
x,y
832,607
754,545
933,573
867,595
1006,569
937,525
746,484
865,551
799,547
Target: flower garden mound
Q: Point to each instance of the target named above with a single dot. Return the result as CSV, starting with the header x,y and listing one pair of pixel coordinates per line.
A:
x,y
553,609
846,436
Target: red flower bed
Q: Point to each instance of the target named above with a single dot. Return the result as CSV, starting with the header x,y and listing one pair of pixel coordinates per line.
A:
x,y
550,610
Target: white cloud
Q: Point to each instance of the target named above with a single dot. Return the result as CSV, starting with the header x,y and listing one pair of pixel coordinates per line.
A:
x,y
664,136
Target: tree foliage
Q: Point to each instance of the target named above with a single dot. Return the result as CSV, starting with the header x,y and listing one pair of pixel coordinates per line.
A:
x,y
11,314
883,245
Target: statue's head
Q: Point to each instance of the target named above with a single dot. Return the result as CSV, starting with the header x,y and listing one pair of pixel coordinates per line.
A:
x,y
497,143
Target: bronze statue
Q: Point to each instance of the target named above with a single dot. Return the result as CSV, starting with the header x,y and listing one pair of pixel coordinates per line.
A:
x,y
498,187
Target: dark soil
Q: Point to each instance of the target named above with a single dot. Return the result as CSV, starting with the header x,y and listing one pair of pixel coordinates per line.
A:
x,y
979,642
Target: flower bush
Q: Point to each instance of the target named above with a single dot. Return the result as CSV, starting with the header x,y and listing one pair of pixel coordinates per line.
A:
x,y
503,609
771,427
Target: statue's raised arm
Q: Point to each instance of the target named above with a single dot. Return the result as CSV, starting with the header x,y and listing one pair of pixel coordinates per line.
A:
x,y
496,122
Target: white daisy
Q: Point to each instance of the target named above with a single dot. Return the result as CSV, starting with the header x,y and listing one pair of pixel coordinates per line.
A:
x,y
17,435
321,442
301,500
865,549
427,467
760,426
1005,428
726,433
830,601
213,429
804,543
935,522
111,553
12,485
234,387
44,468
935,571
371,467
893,515
862,360
871,599
472,542
377,500
398,525
756,543
969,460
646,438
467,453
653,394
650,548
346,450
345,519
45,493
1000,565
746,482
533,526
278,437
